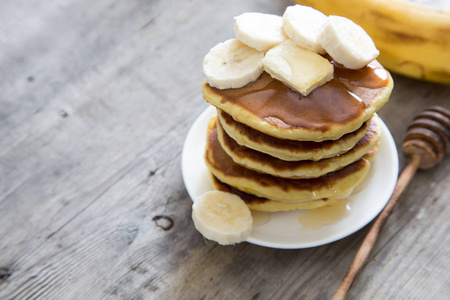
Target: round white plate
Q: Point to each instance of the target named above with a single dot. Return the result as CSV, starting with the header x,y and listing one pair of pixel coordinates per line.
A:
x,y
283,229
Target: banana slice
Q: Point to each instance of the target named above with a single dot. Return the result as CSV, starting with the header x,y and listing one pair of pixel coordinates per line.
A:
x,y
259,31
301,69
347,42
303,25
222,217
232,64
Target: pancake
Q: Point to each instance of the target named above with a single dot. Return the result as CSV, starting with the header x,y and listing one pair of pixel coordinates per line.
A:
x,y
289,150
338,107
332,185
264,204
264,163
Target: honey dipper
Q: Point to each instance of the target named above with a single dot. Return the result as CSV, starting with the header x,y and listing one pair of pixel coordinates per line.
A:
x,y
426,143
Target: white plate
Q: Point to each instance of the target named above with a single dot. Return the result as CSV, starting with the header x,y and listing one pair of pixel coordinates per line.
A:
x,y
283,229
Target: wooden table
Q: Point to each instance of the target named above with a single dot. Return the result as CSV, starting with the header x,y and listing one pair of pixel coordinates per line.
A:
x,y
96,100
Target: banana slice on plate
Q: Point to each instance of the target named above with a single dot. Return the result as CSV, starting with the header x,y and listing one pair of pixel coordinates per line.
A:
x,y
347,42
222,217
232,64
303,25
259,31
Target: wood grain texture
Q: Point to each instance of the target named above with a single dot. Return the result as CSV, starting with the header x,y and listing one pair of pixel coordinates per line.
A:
x,y
96,100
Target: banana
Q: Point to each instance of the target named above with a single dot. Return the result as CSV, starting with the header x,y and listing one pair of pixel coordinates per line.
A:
x,y
347,42
222,217
301,69
303,25
414,40
259,31
232,64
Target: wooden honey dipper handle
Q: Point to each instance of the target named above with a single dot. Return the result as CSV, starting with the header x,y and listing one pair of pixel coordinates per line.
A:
x,y
426,143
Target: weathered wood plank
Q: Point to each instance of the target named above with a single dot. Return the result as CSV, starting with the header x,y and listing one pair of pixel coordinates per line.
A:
x,y
97,98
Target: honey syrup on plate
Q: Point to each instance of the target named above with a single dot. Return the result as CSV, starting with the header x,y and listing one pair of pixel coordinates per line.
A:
x,y
260,217
327,215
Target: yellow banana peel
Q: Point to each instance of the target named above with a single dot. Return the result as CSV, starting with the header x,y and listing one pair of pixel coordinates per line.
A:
x,y
414,40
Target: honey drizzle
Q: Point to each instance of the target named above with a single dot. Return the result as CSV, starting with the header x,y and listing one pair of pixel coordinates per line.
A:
x,y
339,101
327,215
260,217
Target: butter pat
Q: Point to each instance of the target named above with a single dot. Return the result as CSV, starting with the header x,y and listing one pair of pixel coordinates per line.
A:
x,y
301,69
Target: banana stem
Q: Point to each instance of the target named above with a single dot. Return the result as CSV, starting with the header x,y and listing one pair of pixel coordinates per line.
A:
x,y
369,241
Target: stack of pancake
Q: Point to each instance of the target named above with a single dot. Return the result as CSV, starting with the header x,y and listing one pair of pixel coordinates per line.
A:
x,y
279,150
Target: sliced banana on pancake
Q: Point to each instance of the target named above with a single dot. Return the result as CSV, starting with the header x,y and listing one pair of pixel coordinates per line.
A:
x,y
232,64
347,42
259,31
222,217
303,25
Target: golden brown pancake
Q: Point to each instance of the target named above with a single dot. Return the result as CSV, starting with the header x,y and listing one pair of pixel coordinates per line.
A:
x,y
336,108
289,150
332,185
264,163
264,204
